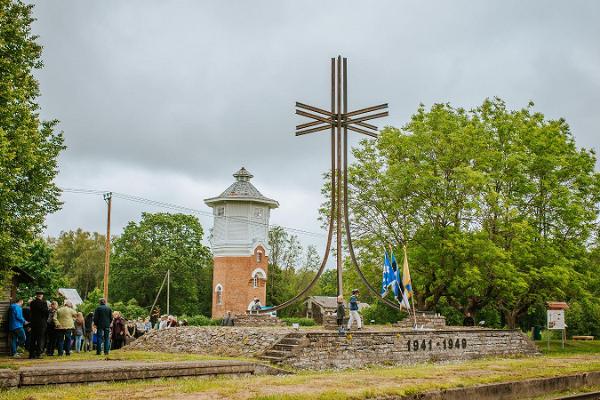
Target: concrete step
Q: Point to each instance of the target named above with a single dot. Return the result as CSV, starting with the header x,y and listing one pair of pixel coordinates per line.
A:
x,y
277,353
285,347
290,341
274,360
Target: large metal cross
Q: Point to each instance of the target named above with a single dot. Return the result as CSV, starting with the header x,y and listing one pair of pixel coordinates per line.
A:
x,y
339,121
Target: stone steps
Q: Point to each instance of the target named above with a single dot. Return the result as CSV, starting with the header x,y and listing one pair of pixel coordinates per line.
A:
x,y
283,349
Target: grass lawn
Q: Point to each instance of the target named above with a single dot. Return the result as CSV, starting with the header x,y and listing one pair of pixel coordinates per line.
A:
x,y
125,355
571,346
366,383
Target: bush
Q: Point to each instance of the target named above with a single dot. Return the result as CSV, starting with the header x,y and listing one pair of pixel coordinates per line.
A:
x,y
199,320
381,313
129,310
300,321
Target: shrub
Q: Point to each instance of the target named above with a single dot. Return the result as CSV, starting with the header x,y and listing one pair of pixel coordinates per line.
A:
x,y
300,321
199,320
381,313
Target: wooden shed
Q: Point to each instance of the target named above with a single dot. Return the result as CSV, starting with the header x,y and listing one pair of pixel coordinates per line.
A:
x,y
7,296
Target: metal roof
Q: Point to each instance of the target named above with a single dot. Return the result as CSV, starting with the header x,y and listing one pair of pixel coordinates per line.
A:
x,y
71,295
242,190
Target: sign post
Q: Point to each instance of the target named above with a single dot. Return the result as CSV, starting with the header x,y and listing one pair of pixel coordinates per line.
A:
x,y
556,319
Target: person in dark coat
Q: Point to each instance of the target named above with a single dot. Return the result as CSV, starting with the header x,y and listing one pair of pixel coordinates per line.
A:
x,y
103,317
340,313
119,331
39,320
51,334
468,321
89,332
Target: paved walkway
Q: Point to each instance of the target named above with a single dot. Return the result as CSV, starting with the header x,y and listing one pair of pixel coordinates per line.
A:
x,y
114,370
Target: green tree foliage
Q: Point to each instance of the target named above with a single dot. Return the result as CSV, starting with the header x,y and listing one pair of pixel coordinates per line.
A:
x,y
129,309
28,147
45,272
161,242
80,255
291,268
497,208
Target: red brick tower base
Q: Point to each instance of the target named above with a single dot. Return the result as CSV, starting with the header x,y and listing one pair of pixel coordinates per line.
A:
x,y
237,280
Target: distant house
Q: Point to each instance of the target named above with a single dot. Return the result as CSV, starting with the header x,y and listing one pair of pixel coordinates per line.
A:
x,y
323,308
71,295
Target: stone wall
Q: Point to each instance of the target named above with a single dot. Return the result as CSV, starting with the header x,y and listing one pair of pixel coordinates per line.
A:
x,y
425,320
258,320
215,340
325,350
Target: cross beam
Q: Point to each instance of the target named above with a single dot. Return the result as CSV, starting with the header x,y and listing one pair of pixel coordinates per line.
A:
x,y
339,121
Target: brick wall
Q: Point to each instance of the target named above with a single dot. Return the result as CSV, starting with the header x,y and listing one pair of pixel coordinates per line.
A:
x,y
235,276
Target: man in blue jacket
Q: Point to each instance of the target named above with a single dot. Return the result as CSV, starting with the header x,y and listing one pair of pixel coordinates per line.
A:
x,y
354,315
15,326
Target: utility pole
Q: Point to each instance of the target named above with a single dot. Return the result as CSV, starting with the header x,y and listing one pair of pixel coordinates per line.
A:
x,y
168,290
108,199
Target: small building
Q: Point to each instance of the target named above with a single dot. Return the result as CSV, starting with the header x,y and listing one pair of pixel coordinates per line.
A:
x,y
323,309
72,295
239,243
7,296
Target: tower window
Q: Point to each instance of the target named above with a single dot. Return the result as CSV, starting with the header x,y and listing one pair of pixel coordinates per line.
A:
x,y
219,292
257,275
259,257
258,212
220,211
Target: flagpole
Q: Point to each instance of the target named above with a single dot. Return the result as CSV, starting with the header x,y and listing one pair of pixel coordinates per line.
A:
x,y
412,300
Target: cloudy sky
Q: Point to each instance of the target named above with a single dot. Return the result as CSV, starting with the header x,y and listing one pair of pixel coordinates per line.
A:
x,y
166,99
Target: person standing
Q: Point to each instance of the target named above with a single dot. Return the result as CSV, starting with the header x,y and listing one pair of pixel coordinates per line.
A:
x,y
64,323
39,321
340,313
228,319
354,315
103,317
468,321
89,323
16,323
51,336
118,331
79,332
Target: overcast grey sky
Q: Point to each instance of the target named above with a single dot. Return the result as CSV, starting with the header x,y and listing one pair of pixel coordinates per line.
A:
x,y
166,99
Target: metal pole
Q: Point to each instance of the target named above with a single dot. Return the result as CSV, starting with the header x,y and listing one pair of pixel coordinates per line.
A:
x,y
158,294
339,180
168,290
108,199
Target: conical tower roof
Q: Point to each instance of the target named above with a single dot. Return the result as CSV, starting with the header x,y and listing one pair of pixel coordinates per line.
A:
x,y
242,190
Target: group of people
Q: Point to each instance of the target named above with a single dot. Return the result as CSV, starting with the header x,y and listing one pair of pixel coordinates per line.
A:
x,y
45,328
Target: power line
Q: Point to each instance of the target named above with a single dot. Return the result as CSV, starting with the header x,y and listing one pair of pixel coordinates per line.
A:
x,y
175,207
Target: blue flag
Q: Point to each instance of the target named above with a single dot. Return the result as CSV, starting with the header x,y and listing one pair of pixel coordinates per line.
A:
x,y
399,289
385,280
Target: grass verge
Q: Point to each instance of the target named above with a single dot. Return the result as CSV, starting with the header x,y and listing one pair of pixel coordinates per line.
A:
x,y
353,384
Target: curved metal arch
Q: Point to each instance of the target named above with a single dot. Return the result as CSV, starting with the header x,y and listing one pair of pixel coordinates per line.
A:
x,y
312,283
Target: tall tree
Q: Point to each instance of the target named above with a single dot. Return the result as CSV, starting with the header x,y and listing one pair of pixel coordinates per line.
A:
x,y
80,255
161,242
496,207
28,146
46,273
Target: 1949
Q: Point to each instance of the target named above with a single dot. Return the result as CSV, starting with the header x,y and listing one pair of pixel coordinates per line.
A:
x,y
444,344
